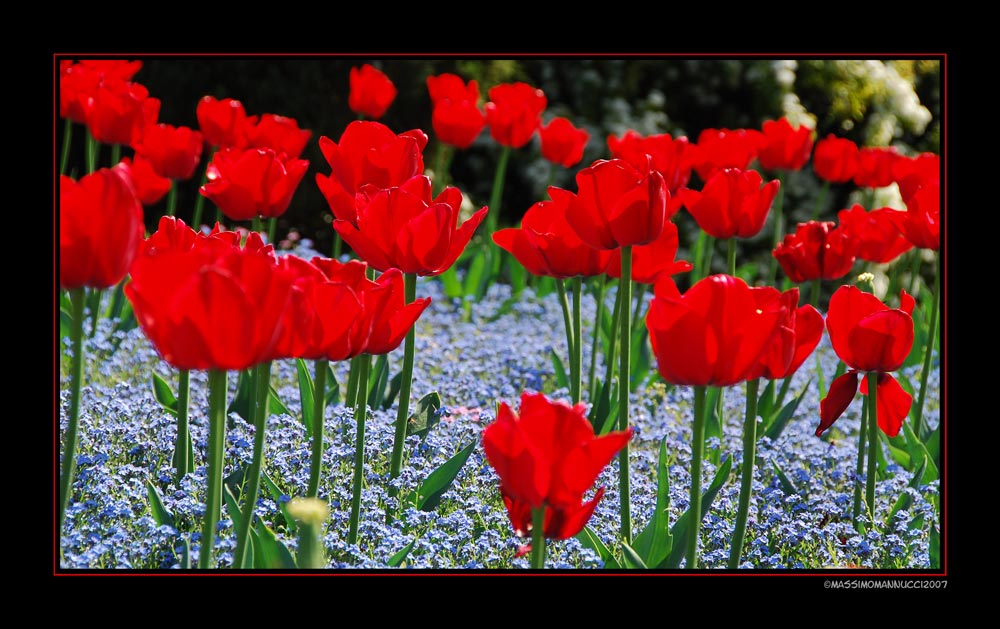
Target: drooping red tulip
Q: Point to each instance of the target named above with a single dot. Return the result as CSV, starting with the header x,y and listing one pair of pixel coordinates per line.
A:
x,y
210,305
562,143
835,159
279,133
799,332
545,244
875,166
100,228
785,147
671,157
548,456
224,123
714,334
869,337
921,222
618,205
817,250
910,173
252,182
174,152
874,234
654,261
405,228
718,149
514,113
149,186
733,203
371,91
368,153
120,111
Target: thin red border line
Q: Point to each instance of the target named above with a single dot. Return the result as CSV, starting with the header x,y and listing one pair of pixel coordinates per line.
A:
x,y
944,263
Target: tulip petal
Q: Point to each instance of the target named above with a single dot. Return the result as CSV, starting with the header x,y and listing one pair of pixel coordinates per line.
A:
x,y
838,398
892,401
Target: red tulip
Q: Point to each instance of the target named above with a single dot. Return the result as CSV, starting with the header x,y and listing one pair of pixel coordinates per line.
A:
x,y
77,87
874,235
732,204
224,122
921,222
100,228
670,157
404,228
149,186
371,91
112,68
910,173
514,113
120,111
816,250
714,334
368,153
548,457
875,166
458,123
652,262
718,149
618,205
451,87
562,143
174,152
545,244
210,305
835,159
868,336
279,133
784,146
252,182
799,332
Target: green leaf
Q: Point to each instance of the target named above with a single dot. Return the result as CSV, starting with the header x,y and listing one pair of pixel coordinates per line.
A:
x,y
766,400
449,280
378,382
933,444
786,483
163,394
332,386
233,507
934,548
545,286
904,500
437,482
639,358
599,412
397,558
820,383
612,419
918,450
273,553
654,543
898,450
632,559
426,415
241,402
395,384
277,406
780,421
184,560
713,424
518,278
682,527
562,380
160,513
306,390
474,276
276,494
589,539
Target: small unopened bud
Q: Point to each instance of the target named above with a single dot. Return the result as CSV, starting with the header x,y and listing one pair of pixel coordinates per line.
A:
x,y
308,510
867,278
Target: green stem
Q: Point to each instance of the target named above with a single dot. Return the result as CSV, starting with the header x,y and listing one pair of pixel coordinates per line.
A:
x,y
779,227
76,379
360,416
319,406
570,333
860,469
706,263
403,411
95,310
538,538
592,380
576,361
351,397
624,387
182,447
255,224
116,154
731,257
91,152
915,260
220,217
172,199
216,451
609,360
338,245
698,254
817,286
441,166
746,476
67,141
493,216
697,447
272,229
259,412
918,416
637,320
821,199
199,202
872,443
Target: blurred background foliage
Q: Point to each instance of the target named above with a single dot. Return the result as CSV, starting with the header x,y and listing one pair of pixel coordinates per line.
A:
x,y
872,102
